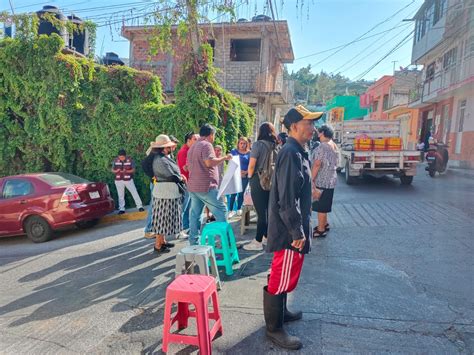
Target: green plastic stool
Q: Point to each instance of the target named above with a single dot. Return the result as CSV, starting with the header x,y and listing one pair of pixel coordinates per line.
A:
x,y
228,248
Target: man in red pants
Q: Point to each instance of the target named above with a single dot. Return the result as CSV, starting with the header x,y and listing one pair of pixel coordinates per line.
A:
x,y
288,224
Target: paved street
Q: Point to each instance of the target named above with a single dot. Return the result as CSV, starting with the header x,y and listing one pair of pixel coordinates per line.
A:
x,y
395,274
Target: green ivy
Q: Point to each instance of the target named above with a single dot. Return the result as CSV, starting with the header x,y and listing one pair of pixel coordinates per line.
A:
x,y
59,112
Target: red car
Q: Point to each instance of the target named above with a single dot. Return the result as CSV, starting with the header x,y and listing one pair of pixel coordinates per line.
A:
x,y
38,204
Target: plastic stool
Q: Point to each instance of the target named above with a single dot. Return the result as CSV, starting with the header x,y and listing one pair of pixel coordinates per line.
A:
x,y
228,248
196,290
200,256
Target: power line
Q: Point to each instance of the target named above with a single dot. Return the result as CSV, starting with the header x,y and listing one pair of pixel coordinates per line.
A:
x,y
361,36
370,53
397,46
360,40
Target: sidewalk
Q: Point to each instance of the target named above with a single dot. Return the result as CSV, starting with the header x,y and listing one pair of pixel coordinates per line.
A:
x,y
468,173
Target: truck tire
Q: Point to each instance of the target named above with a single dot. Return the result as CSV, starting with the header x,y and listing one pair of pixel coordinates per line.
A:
x,y
406,180
349,179
38,229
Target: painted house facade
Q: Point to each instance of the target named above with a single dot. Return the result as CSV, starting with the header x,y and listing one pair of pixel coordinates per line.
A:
x,y
444,45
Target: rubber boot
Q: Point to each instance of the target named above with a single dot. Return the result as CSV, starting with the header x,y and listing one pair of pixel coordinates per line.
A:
x,y
273,311
291,316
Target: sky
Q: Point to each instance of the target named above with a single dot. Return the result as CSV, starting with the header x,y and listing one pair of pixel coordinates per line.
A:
x,y
316,26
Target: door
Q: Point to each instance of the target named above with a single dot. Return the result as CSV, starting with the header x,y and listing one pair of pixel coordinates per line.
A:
x,y
460,125
14,198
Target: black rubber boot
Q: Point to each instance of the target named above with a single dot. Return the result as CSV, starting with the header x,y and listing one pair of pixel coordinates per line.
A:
x,y
291,316
273,311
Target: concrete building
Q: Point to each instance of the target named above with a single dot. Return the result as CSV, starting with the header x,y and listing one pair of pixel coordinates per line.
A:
x,y
444,45
250,57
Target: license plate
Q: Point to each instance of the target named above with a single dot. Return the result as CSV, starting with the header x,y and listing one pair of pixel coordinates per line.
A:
x,y
430,158
94,194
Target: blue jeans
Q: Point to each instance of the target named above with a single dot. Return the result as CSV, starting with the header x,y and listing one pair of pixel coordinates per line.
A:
x,y
239,196
198,201
150,212
186,209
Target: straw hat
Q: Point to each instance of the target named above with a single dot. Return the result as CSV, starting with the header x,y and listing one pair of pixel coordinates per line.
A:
x,y
161,141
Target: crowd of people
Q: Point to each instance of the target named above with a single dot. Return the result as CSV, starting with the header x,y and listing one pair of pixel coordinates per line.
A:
x,y
287,181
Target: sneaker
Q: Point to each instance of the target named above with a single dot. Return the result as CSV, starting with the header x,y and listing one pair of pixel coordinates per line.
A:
x,y
149,235
264,241
121,212
231,214
239,213
253,246
141,209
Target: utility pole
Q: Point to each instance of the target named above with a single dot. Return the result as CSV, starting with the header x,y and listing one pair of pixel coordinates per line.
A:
x,y
394,61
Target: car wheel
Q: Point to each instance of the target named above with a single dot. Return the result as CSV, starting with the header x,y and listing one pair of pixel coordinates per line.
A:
x,y
406,180
38,229
87,224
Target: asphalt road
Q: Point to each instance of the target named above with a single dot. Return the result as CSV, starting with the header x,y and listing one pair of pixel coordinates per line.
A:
x,y
396,274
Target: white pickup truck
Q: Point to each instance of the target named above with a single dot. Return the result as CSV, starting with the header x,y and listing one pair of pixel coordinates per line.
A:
x,y
399,163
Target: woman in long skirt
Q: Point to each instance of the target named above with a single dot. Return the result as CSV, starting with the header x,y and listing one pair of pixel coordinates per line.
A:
x,y
167,194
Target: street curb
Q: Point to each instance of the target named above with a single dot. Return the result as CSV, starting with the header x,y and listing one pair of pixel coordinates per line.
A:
x,y
459,172
128,216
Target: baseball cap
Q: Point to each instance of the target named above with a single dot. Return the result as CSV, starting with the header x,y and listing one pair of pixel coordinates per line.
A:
x,y
122,152
299,113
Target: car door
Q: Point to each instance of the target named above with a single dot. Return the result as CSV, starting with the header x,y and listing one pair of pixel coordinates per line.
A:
x,y
14,197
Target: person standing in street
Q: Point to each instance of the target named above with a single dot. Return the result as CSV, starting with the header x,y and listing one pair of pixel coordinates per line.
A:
x,y
324,177
182,158
123,167
167,194
289,217
262,156
243,151
204,181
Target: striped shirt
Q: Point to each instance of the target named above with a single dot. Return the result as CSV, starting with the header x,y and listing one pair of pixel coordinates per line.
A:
x,y
201,178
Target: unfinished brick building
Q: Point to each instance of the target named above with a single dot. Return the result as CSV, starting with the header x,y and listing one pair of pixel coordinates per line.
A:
x,y
250,56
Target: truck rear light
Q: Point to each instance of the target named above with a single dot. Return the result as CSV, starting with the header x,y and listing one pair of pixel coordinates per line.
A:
x,y
359,159
414,157
70,195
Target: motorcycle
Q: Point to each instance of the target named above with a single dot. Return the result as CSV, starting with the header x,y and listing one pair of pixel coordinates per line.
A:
x,y
437,158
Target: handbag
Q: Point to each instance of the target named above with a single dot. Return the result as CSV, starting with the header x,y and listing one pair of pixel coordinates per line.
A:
x,y
265,175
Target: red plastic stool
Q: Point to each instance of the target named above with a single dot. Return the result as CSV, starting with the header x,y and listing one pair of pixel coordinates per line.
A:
x,y
196,290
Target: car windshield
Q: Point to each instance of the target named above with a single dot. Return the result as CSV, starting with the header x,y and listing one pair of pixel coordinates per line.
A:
x,y
62,179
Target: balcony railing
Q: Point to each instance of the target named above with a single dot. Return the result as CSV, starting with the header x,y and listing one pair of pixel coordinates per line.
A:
x,y
443,81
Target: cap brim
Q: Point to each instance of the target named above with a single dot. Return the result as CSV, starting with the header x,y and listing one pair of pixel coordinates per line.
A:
x,y
313,116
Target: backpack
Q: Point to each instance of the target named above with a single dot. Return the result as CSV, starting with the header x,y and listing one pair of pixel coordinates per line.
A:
x,y
147,165
265,175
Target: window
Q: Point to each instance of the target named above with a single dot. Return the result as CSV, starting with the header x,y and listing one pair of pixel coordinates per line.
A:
x,y
385,102
375,106
462,114
469,47
245,50
430,16
15,188
449,59
212,43
440,10
62,179
430,72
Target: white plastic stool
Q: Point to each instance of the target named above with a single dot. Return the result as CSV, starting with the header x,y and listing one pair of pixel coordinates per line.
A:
x,y
201,257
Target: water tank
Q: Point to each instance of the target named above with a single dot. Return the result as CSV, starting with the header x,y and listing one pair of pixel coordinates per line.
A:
x,y
112,58
261,18
46,27
79,40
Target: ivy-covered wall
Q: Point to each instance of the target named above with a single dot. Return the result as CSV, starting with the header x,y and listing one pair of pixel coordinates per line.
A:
x,y
63,113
